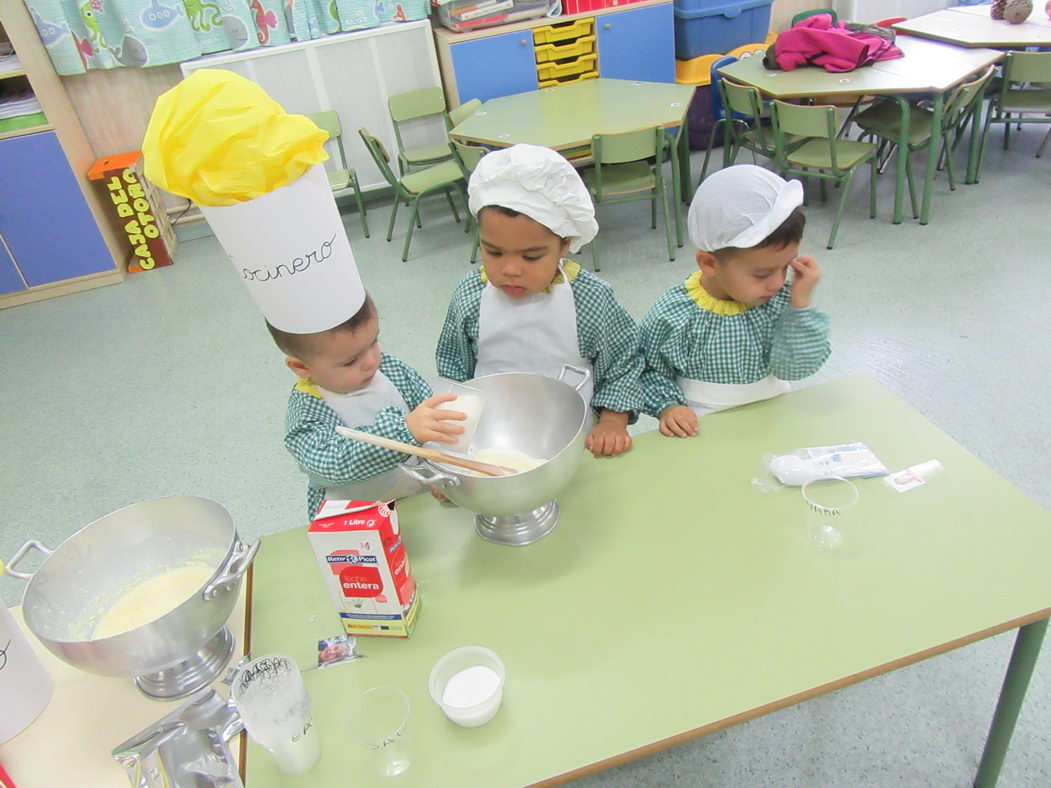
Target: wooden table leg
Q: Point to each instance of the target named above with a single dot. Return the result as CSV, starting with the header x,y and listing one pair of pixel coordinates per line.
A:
x,y
1019,671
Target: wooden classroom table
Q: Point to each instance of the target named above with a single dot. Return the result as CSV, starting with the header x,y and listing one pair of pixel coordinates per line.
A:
x,y
927,67
566,117
673,600
971,26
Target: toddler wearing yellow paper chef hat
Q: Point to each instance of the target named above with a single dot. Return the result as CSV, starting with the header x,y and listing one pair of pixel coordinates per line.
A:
x,y
255,170
531,310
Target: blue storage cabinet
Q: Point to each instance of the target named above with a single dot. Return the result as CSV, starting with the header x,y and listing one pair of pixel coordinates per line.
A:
x,y
706,28
10,279
495,66
45,223
635,44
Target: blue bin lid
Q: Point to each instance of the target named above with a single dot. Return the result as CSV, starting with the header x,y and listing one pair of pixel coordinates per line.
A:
x,y
693,9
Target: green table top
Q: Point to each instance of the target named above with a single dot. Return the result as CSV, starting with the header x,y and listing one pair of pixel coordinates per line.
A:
x,y
568,116
979,30
672,599
926,66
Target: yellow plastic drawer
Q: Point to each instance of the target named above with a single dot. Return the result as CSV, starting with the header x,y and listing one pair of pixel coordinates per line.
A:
x,y
545,53
547,71
550,83
566,31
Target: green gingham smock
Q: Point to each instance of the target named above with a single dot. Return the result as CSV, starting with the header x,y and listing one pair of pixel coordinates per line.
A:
x,y
606,335
727,342
311,436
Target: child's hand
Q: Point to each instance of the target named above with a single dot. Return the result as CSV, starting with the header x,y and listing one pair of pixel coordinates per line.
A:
x,y
610,436
428,422
678,421
807,274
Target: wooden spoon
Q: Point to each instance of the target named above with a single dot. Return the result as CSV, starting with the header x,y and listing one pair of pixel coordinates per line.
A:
x,y
426,453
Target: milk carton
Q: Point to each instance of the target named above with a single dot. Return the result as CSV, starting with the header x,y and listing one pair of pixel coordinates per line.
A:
x,y
364,565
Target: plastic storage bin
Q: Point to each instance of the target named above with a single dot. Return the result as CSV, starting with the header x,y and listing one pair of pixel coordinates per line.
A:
x,y
580,65
566,31
703,28
462,15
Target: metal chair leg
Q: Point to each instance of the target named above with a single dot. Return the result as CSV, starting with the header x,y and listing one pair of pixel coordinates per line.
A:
x,y
839,208
412,226
452,205
872,189
393,216
912,188
663,197
1040,150
360,202
594,255
708,150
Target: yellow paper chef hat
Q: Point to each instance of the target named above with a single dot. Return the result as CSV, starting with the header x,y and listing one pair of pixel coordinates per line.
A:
x,y
256,173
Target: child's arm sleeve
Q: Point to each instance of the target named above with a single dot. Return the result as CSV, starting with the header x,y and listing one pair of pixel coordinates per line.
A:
x,y
455,355
618,361
800,343
327,456
660,379
410,383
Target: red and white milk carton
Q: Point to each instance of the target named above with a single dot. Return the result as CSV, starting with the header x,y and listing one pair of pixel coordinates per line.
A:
x,y
364,564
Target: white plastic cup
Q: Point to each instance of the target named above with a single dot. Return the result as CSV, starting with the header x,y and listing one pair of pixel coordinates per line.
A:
x,y
25,685
477,695
470,401
276,709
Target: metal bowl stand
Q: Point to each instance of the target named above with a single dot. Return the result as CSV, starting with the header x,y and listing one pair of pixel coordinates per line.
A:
x,y
518,529
193,673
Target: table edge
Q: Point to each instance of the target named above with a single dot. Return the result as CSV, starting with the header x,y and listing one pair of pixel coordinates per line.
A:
x,y
759,711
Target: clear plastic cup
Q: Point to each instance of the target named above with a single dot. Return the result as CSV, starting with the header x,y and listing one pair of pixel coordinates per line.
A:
x,y
276,709
470,401
379,720
826,499
468,685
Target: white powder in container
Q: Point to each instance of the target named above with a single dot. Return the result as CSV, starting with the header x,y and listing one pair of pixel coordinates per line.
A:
x,y
471,686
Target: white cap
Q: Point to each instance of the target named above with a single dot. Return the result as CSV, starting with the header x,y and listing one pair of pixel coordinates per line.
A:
x,y
540,183
740,206
290,249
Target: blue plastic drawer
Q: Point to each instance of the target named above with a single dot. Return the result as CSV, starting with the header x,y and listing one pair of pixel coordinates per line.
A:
x,y
703,27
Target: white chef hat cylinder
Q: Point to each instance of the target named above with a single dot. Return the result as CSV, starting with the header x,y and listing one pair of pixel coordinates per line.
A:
x,y
540,183
740,206
291,251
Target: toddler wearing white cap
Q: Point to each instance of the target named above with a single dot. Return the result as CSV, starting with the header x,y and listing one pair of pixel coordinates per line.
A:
x,y
531,310
736,330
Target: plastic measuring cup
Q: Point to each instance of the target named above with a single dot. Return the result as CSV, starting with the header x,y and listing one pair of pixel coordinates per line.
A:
x,y
276,709
470,401
468,685
379,720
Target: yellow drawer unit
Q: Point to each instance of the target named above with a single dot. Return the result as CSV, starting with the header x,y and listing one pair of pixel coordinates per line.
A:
x,y
569,68
546,53
566,31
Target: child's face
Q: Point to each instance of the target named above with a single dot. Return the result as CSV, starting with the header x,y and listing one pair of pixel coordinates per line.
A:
x,y
342,361
520,255
751,276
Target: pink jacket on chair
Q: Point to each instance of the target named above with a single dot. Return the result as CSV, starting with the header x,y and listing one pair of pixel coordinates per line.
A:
x,y
815,40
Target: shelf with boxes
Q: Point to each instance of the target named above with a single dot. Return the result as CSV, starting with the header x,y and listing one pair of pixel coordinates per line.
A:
x,y
53,235
629,41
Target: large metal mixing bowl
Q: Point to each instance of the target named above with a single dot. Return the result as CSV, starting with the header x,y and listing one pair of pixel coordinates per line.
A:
x,y
174,655
540,416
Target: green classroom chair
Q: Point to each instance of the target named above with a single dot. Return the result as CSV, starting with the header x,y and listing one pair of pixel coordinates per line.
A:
x,y
742,120
882,122
1023,97
413,105
628,168
342,176
442,178
468,156
461,113
819,153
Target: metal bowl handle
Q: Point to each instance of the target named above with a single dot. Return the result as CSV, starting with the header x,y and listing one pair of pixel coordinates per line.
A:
x,y
232,572
428,475
32,544
585,375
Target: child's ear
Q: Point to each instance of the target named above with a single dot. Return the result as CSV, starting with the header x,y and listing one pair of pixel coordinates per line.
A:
x,y
564,250
297,366
706,262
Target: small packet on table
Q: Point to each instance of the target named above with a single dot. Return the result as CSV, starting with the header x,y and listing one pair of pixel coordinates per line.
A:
x,y
795,468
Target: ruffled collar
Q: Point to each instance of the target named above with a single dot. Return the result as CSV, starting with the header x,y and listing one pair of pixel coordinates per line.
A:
x,y
710,303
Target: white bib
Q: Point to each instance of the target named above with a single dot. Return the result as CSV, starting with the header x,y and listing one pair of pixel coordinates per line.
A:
x,y
703,397
536,333
359,408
